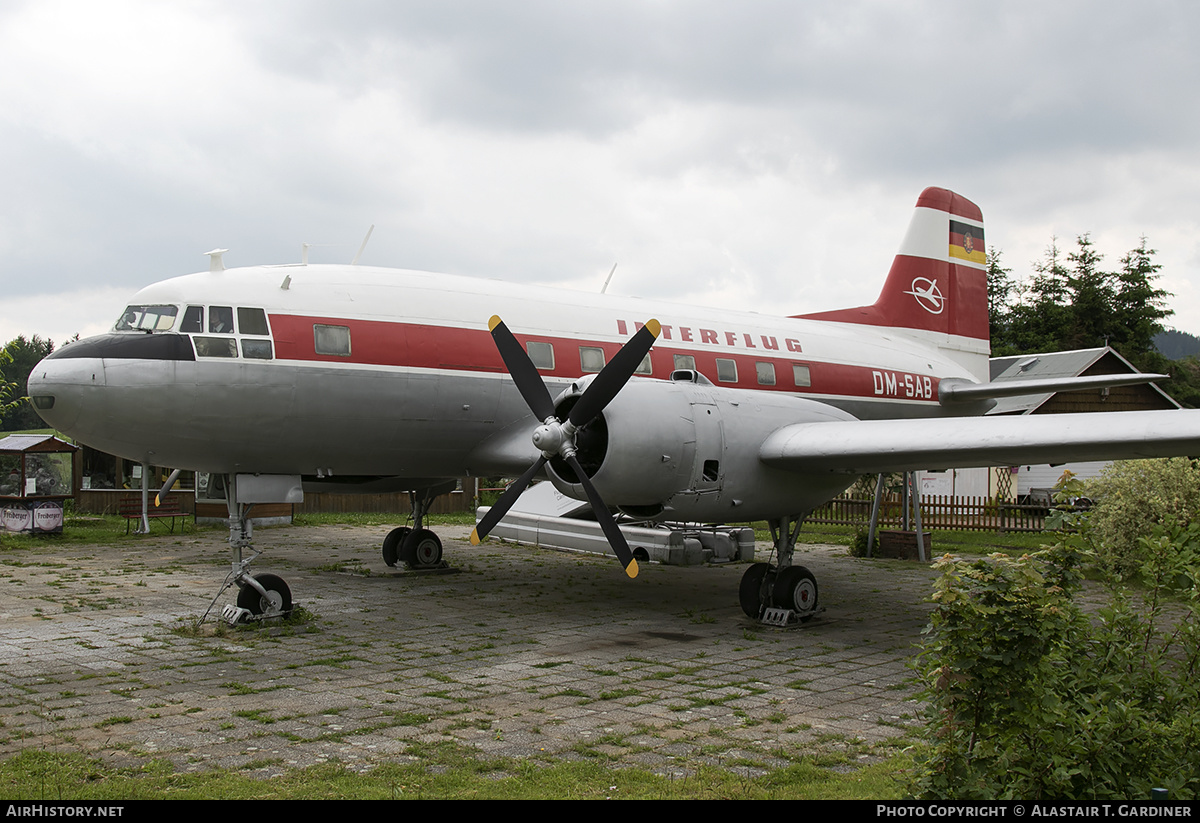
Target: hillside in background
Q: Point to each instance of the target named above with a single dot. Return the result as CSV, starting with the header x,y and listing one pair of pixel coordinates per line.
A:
x,y
1176,345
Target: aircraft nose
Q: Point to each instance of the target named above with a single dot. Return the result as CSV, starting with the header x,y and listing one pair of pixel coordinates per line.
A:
x,y
58,389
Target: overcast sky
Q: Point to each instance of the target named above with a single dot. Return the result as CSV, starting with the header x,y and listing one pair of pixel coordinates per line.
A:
x,y
755,155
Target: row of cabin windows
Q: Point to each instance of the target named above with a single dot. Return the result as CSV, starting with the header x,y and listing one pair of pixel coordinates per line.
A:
x,y
591,360
335,341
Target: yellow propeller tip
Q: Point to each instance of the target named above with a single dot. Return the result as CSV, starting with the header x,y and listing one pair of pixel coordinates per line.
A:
x,y
654,326
156,502
494,322
475,541
632,569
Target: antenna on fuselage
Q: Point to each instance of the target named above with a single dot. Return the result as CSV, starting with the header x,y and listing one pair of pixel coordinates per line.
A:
x,y
304,247
354,262
215,263
608,279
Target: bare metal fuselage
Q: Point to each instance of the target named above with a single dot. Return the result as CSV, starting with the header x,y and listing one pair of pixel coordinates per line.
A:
x,y
422,392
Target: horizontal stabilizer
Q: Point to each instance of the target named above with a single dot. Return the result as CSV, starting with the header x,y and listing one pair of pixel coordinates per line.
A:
x,y
957,390
872,446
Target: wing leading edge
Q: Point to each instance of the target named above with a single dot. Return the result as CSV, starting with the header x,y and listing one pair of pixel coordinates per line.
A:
x,y
871,446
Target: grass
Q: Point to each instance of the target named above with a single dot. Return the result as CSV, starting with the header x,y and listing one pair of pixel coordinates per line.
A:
x,y
944,541
439,772
110,528
380,519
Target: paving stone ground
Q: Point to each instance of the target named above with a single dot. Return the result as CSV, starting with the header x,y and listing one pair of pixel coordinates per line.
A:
x,y
516,652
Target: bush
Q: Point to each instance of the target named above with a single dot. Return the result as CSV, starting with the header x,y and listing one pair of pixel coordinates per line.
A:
x,y
1133,497
1027,697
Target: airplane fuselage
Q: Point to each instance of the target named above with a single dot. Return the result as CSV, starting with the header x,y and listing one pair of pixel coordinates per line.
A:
x,y
362,371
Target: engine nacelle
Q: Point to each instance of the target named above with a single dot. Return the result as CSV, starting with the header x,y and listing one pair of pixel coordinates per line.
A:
x,y
688,450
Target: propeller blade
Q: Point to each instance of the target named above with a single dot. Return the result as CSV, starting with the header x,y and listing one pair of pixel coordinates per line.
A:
x,y
599,393
522,370
501,507
158,498
611,530
613,377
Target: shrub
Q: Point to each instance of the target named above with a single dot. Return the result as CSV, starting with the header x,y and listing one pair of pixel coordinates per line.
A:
x,y
1028,697
1133,497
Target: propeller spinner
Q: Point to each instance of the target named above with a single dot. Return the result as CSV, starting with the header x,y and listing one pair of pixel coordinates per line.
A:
x,y
556,438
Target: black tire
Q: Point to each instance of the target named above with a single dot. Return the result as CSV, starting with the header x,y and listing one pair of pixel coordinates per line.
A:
x,y
796,589
278,591
421,549
392,543
750,589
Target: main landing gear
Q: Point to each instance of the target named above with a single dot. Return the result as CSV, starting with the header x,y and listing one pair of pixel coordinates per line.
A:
x,y
781,594
416,547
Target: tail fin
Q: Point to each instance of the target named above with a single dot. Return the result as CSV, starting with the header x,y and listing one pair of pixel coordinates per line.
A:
x,y
937,286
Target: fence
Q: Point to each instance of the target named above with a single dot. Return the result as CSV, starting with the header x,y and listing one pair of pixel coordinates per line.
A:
x,y
937,512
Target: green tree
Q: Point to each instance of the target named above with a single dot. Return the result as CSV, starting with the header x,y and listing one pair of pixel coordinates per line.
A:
x,y
1001,288
1071,302
8,392
20,356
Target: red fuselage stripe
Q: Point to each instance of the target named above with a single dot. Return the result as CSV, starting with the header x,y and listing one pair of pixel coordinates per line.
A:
x,y
411,345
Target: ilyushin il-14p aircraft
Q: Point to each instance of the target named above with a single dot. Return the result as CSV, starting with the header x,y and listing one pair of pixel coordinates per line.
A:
x,y
301,377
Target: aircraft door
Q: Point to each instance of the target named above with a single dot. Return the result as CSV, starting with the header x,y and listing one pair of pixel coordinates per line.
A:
x,y
707,469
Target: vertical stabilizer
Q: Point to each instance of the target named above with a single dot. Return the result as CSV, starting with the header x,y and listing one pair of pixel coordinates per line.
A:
x,y
937,287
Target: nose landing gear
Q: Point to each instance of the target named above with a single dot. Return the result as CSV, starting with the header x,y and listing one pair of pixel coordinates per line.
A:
x,y
265,596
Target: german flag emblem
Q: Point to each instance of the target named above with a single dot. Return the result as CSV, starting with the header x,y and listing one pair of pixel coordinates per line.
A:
x,y
966,243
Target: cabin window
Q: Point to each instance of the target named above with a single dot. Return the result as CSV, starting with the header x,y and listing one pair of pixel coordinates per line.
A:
x,y
591,359
193,320
645,367
800,375
685,362
147,318
252,321
220,320
333,340
215,346
542,354
766,373
726,370
256,349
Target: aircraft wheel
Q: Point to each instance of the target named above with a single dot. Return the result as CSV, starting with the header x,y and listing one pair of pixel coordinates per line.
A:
x,y
277,601
750,589
796,589
392,543
421,549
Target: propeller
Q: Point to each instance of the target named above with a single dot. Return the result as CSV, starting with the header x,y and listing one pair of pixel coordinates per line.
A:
x,y
162,494
556,438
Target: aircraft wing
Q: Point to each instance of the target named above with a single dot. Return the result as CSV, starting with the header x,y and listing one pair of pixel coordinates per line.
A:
x,y
872,446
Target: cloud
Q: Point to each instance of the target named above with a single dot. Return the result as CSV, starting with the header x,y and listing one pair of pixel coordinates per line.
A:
x,y
758,154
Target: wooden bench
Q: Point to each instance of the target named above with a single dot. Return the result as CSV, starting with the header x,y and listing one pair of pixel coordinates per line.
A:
x,y
131,509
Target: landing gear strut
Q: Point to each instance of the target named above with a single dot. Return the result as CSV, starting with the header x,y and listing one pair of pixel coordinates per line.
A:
x,y
417,547
260,596
780,594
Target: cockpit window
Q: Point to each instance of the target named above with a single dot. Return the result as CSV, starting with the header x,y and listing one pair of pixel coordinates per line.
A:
x,y
252,321
220,319
193,320
147,318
